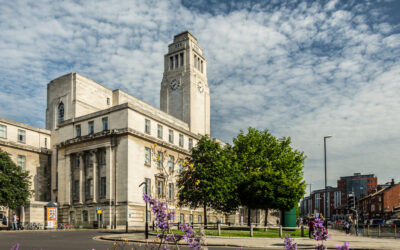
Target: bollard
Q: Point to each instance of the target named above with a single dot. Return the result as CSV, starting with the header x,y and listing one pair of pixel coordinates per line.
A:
x,y
395,230
367,230
153,225
379,230
219,229
302,231
251,230
126,229
280,231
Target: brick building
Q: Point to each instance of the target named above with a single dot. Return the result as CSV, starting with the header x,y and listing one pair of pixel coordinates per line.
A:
x,y
359,184
315,202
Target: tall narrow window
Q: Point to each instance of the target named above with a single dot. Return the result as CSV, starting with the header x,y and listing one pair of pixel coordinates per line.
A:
x,y
21,161
85,216
105,123
160,191
45,142
181,59
89,189
199,219
147,156
191,218
148,184
171,62
180,140
201,66
195,61
60,112
108,101
171,163
159,131
103,185
171,136
21,135
190,143
91,127
160,159
180,166
182,218
147,126
3,131
78,130
76,190
198,63
176,61
171,191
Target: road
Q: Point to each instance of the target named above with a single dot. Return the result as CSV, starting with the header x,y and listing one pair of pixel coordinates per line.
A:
x,y
63,240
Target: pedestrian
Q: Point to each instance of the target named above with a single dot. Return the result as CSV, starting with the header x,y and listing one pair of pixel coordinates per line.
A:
x,y
4,221
310,228
348,225
14,223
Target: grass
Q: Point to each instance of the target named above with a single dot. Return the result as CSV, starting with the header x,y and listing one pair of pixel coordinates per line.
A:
x,y
258,232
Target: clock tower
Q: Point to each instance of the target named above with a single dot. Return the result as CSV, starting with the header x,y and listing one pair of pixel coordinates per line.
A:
x,y
184,88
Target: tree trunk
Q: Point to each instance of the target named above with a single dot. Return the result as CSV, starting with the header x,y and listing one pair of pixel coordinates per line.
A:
x,y
205,216
266,218
248,216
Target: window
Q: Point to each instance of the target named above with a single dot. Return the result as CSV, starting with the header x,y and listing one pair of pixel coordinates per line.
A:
x,y
171,163
180,166
182,218
198,63
372,207
171,62
160,187
91,127
102,157
85,216
21,135
105,123
190,143
76,190
176,61
199,218
45,142
78,130
160,159
21,161
215,219
147,156
159,131
171,191
191,218
181,58
201,68
60,112
71,217
148,184
195,61
108,101
76,161
147,126
103,186
3,131
180,140
171,136
89,188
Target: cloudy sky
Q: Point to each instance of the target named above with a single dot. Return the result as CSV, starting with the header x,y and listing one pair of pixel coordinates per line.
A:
x,y
304,69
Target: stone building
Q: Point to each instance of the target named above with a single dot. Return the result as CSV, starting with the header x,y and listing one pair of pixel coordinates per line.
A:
x,y
29,147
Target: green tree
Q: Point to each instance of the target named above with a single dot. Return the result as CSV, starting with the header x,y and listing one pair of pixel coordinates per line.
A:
x,y
14,183
272,172
209,178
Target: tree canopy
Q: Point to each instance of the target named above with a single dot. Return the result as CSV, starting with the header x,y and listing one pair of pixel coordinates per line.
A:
x,y
271,171
14,183
209,178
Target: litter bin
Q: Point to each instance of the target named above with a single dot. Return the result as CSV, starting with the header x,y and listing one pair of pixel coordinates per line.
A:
x,y
289,218
95,224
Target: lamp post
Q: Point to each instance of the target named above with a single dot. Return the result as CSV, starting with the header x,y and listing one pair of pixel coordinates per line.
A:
x,y
326,191
146,230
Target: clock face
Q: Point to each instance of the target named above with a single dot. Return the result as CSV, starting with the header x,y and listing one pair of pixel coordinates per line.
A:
x,y
174,84
200,87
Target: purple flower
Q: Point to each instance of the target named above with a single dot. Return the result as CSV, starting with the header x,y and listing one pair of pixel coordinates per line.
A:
x,y
289,243
16,247
345,246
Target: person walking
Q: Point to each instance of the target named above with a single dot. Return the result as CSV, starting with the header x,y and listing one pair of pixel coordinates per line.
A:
x,y
348,225
4,221
14,223
311,228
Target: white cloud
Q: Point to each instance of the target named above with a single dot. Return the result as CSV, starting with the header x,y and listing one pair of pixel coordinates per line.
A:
x,y
304,71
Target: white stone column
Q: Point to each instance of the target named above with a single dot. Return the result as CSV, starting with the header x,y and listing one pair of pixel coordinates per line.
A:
x,y
81,176
94,160
109,186
67,199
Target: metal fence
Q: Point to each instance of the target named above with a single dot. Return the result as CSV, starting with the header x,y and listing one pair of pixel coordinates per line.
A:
x,y
373,230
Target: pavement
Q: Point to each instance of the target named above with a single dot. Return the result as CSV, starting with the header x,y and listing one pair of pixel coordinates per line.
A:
x,y
336,238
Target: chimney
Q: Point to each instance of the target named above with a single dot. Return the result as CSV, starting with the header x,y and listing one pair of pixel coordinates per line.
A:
x,y
392,183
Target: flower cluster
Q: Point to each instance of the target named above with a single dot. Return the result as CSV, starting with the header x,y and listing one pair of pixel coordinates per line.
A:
x,y
164,220
345,246
320,233
289,243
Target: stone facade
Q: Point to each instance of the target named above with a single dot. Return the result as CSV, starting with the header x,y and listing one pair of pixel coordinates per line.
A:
x,y
29,147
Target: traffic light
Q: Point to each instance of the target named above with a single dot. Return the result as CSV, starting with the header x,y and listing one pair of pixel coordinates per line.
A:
x,y
351,201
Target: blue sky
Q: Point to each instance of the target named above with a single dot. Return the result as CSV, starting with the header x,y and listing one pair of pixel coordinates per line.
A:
x,y
303,69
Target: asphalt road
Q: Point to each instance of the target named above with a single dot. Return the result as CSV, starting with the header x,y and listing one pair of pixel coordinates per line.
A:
x,y
63,240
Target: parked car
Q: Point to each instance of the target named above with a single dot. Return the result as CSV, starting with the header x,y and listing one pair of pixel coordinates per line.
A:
x,y
396,222
376,222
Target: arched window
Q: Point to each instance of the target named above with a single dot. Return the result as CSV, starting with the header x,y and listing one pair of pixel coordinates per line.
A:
x,y
61,112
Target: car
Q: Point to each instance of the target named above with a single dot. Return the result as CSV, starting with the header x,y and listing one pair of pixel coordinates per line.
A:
x,y
376,222
396,222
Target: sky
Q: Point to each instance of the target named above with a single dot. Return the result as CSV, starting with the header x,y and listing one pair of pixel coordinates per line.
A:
x,y
301,69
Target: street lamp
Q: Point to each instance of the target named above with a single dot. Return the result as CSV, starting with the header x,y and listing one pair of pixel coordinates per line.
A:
x,y
326,191
146,230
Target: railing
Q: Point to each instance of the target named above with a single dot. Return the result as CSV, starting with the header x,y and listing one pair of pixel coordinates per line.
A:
x,y
33,226
372,230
